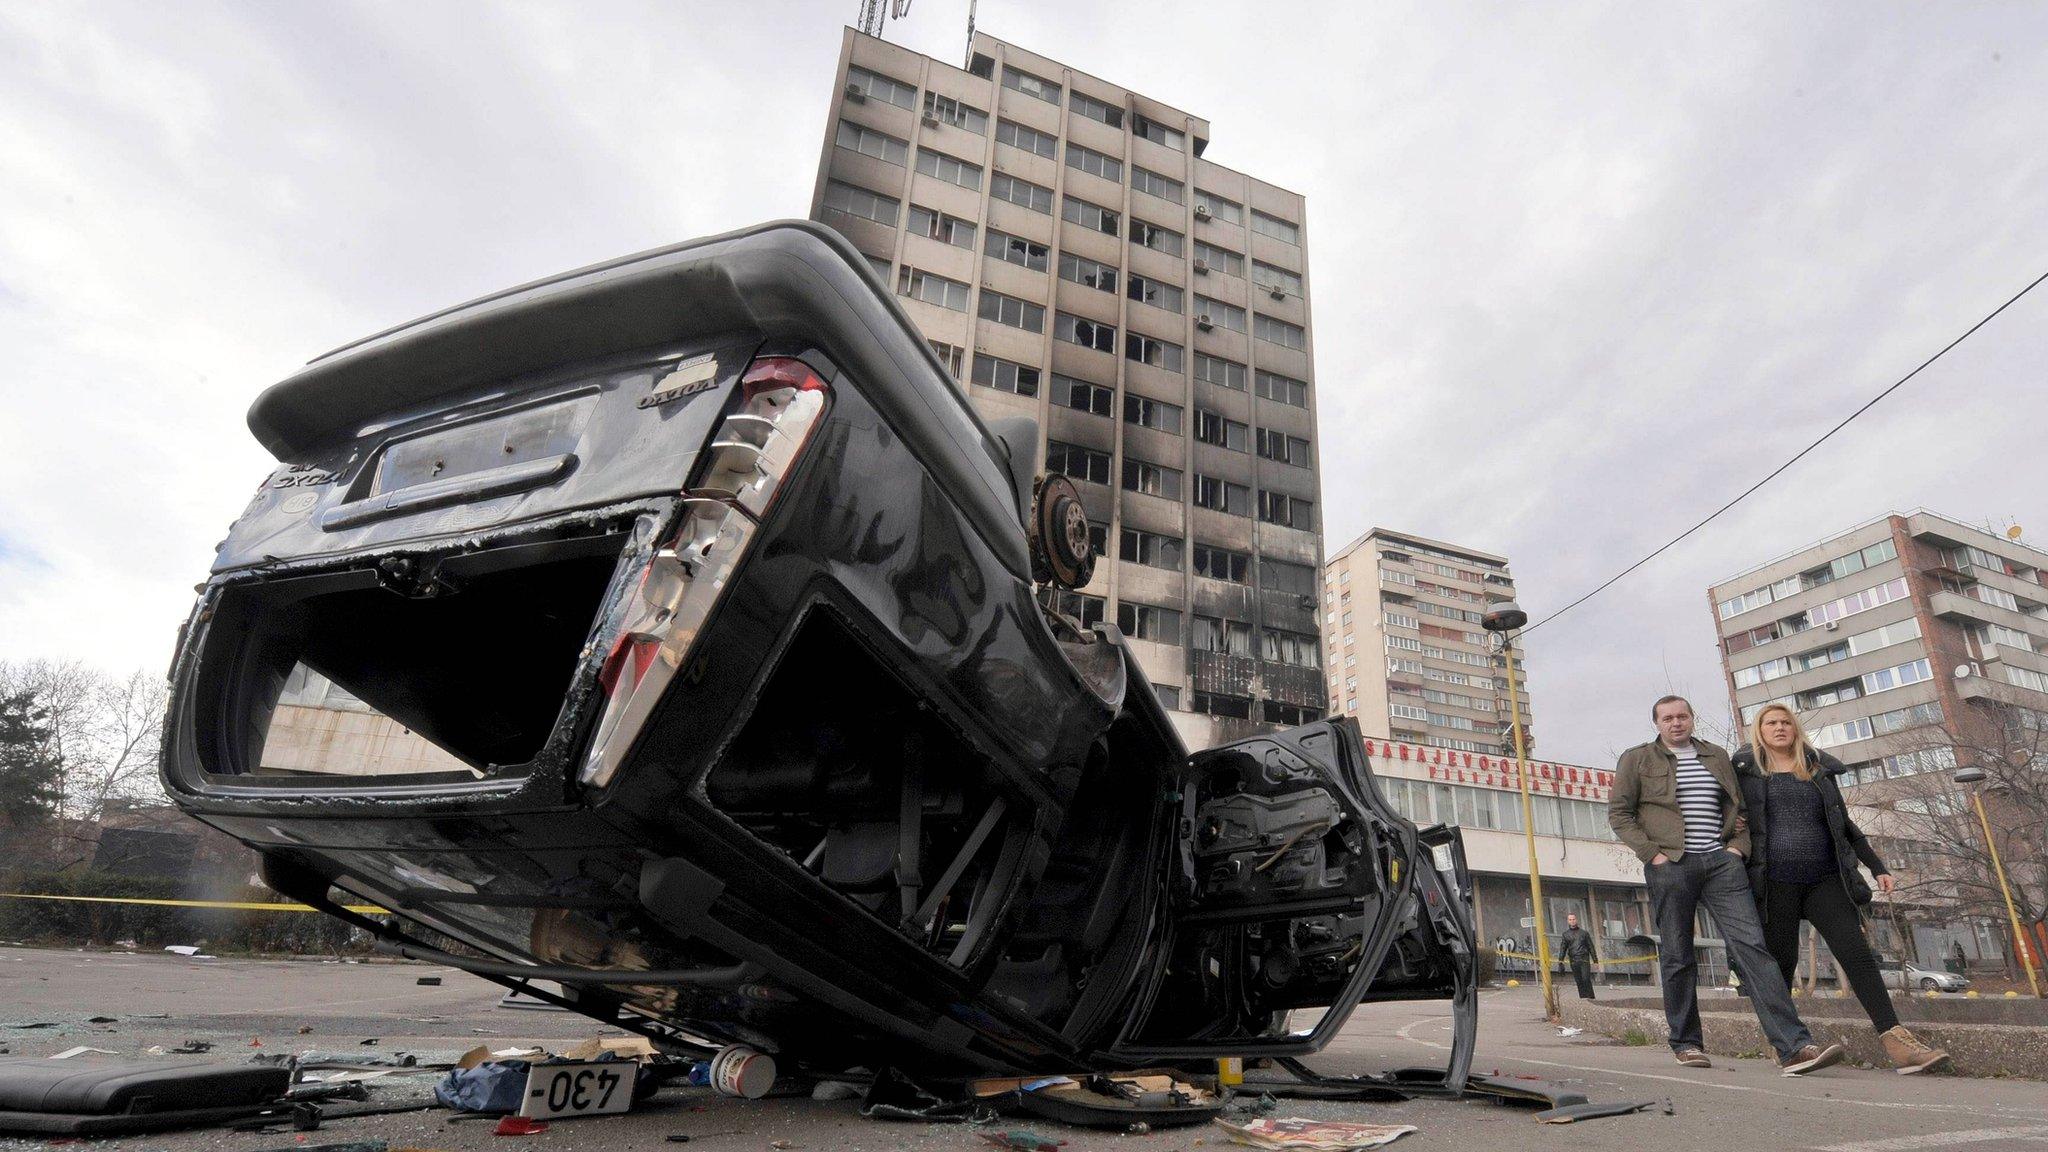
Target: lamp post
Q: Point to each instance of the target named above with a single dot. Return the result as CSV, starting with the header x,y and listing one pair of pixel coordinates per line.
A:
x,y
1502,620
1974,775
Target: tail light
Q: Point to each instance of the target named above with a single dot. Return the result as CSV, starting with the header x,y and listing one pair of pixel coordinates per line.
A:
x,y
778,402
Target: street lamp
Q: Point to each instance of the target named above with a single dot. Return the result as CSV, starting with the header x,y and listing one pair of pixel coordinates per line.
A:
x,y
1975,775
1503,619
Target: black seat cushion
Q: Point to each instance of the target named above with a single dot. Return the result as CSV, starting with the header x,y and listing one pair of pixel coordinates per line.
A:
x,y
89,1086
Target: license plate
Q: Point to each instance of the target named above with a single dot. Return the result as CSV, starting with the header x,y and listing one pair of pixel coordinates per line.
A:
x,y
555,1090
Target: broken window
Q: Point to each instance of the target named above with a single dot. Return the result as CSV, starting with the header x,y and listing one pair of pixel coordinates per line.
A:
x,y
406,670
1016,250
1148,622
1151,479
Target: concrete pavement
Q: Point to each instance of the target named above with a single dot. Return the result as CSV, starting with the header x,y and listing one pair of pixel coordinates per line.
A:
x,y
1741,1104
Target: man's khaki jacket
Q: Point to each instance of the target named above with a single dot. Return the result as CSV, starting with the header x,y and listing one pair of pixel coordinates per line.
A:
x,y
1642,807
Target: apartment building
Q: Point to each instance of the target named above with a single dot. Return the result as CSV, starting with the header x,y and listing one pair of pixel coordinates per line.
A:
x,y
1072,256
1405,651
1904,624
1895,641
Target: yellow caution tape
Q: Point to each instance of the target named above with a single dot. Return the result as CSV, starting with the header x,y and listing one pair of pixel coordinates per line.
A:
x,y
1557,959
240,905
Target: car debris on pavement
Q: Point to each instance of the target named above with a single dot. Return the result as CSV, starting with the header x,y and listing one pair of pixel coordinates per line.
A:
x,y
1293,1134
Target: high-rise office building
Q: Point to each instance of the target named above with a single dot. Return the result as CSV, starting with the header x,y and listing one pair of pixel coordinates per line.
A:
x,y
1406,654
1072,256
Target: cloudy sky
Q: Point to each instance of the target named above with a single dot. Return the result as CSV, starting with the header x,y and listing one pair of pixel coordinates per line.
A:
x,y
1581,271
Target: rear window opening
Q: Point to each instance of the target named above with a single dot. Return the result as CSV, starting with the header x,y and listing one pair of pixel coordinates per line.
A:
x,y
430,668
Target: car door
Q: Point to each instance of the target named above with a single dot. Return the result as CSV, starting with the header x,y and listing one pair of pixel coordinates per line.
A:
x,y
1297,887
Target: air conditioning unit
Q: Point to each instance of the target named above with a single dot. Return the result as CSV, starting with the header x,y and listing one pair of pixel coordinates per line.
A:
x,y
1202,267
1832,625
1202,212
1204,323
856,93
931,121
1276,291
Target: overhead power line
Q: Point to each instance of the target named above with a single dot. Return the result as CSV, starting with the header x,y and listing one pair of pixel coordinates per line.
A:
x,y
1773,474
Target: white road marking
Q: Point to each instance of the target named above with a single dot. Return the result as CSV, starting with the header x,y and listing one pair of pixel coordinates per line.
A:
x,y
1940,1140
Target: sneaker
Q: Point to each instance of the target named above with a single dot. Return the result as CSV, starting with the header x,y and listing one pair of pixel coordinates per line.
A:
x,y
1811,1058
1693,1058
1909,1055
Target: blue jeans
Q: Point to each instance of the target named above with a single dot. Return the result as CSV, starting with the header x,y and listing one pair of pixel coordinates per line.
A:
x,y
1718,880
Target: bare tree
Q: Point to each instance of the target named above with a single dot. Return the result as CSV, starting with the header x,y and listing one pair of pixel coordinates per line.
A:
x,y
1934,822
103,729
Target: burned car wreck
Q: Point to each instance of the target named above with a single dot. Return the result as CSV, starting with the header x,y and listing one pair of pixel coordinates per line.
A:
x,y
673,631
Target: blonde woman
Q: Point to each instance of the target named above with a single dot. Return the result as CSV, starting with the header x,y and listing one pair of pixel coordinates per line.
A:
x,y
1802,866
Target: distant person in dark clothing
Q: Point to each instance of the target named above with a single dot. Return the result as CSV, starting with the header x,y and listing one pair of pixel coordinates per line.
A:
x,y
1577,946
1802,866
1958,963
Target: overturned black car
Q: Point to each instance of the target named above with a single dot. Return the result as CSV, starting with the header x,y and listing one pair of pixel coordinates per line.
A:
x,y
673,631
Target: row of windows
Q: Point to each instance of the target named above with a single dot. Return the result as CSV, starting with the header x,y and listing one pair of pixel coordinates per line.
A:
x,y
881,146
1234,638
1428,803
1023,380
1833,570
876,86
1213,206
1911,763
1095,274
852,200
1894,633
931,289
1988,638
1215,564
951,111
1865,727
1095,163
1027,139
1151,479
941,227
950,169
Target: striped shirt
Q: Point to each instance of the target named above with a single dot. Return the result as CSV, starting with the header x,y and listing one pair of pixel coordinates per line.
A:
x,y
1699,799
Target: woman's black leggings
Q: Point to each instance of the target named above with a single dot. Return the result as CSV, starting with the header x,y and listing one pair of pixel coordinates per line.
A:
x,y
1827,907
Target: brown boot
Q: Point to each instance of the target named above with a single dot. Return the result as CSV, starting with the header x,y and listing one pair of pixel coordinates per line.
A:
x,y
1909,1055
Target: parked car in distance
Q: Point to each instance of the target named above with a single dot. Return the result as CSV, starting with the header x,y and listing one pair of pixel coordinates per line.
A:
x,y
1910,977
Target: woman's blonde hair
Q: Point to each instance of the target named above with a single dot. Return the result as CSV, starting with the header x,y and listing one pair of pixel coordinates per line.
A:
x,y
1802,752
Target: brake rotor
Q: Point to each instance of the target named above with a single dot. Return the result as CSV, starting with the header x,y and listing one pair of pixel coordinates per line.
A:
x,y
1061,552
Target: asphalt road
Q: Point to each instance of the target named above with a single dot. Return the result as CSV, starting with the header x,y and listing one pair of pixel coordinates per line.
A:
x,y
244,1006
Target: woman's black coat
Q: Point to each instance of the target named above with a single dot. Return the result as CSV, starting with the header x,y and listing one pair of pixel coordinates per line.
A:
x,y
1850,843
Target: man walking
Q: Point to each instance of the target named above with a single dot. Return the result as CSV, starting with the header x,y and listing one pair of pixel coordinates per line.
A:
x,y
1577,946
1676,804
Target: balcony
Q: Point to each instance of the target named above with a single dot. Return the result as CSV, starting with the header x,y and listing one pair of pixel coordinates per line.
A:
x,y
1991,691
1955,605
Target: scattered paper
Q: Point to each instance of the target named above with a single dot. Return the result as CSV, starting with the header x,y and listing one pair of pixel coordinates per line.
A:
x,y
484,1053
1566,1030
625,1047
81,1050
1294,1134
183,949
